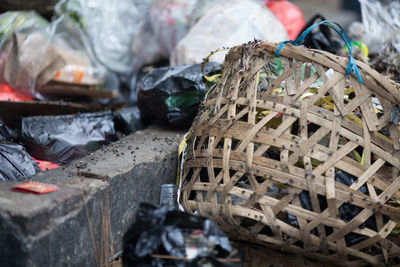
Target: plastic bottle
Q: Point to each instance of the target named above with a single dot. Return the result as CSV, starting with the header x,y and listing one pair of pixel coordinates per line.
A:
x,y
168,196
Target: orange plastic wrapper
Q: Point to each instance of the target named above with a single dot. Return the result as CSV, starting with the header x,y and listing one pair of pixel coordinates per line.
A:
x,y
35,188
8,94
289,15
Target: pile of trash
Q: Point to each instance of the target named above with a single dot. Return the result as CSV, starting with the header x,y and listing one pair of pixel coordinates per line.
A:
x,y
102,69
85,78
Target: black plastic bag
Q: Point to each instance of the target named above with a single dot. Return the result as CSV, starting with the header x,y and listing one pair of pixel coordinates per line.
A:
x,y
394,115
321,37
171,232
15,163
347,211
173,94
6,133
62,139
128,120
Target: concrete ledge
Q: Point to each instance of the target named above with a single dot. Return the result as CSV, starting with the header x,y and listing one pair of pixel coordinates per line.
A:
x,y
83,223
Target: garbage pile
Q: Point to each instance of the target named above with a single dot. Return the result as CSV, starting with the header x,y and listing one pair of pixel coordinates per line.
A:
x,y
98,70
102,69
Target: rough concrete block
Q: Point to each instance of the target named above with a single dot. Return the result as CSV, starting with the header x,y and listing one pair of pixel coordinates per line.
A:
x,y
83,223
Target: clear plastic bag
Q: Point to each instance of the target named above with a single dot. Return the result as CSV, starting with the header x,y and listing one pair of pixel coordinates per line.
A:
x,y
111,26
224,25
127,35
172,19
59,51
381,21
13,20
168,22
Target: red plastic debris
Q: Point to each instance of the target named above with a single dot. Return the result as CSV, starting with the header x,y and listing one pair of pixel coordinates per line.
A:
x,y
289,15
35,187
8,94
45,165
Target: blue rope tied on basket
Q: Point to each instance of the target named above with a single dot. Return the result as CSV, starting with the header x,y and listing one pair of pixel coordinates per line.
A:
x,y
351,66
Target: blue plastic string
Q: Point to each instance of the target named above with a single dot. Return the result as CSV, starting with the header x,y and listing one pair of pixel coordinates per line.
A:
x,y
351,66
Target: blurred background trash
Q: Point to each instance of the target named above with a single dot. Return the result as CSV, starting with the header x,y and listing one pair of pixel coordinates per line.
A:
x,y
18,20
111,26
168,22
224,25
342,11
380,25
288,14
379,31
51,54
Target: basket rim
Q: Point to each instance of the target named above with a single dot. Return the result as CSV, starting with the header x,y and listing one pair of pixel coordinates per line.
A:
x,y
370,76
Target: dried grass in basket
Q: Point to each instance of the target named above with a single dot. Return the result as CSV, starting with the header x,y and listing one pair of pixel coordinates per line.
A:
x,y
304,160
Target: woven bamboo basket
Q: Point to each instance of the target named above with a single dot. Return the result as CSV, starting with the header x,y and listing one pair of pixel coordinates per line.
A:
x,y
305,160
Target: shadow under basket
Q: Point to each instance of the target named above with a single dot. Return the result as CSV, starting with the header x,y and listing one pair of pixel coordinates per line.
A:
x,y
289,153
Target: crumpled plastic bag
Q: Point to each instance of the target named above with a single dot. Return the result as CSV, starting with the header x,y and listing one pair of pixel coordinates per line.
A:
x,y
173,94
381,25
128,34
128,120
62,139
225,25
111,26
288,14
347,211
6,133
15,162
18,20
173,233
167,22
59,52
